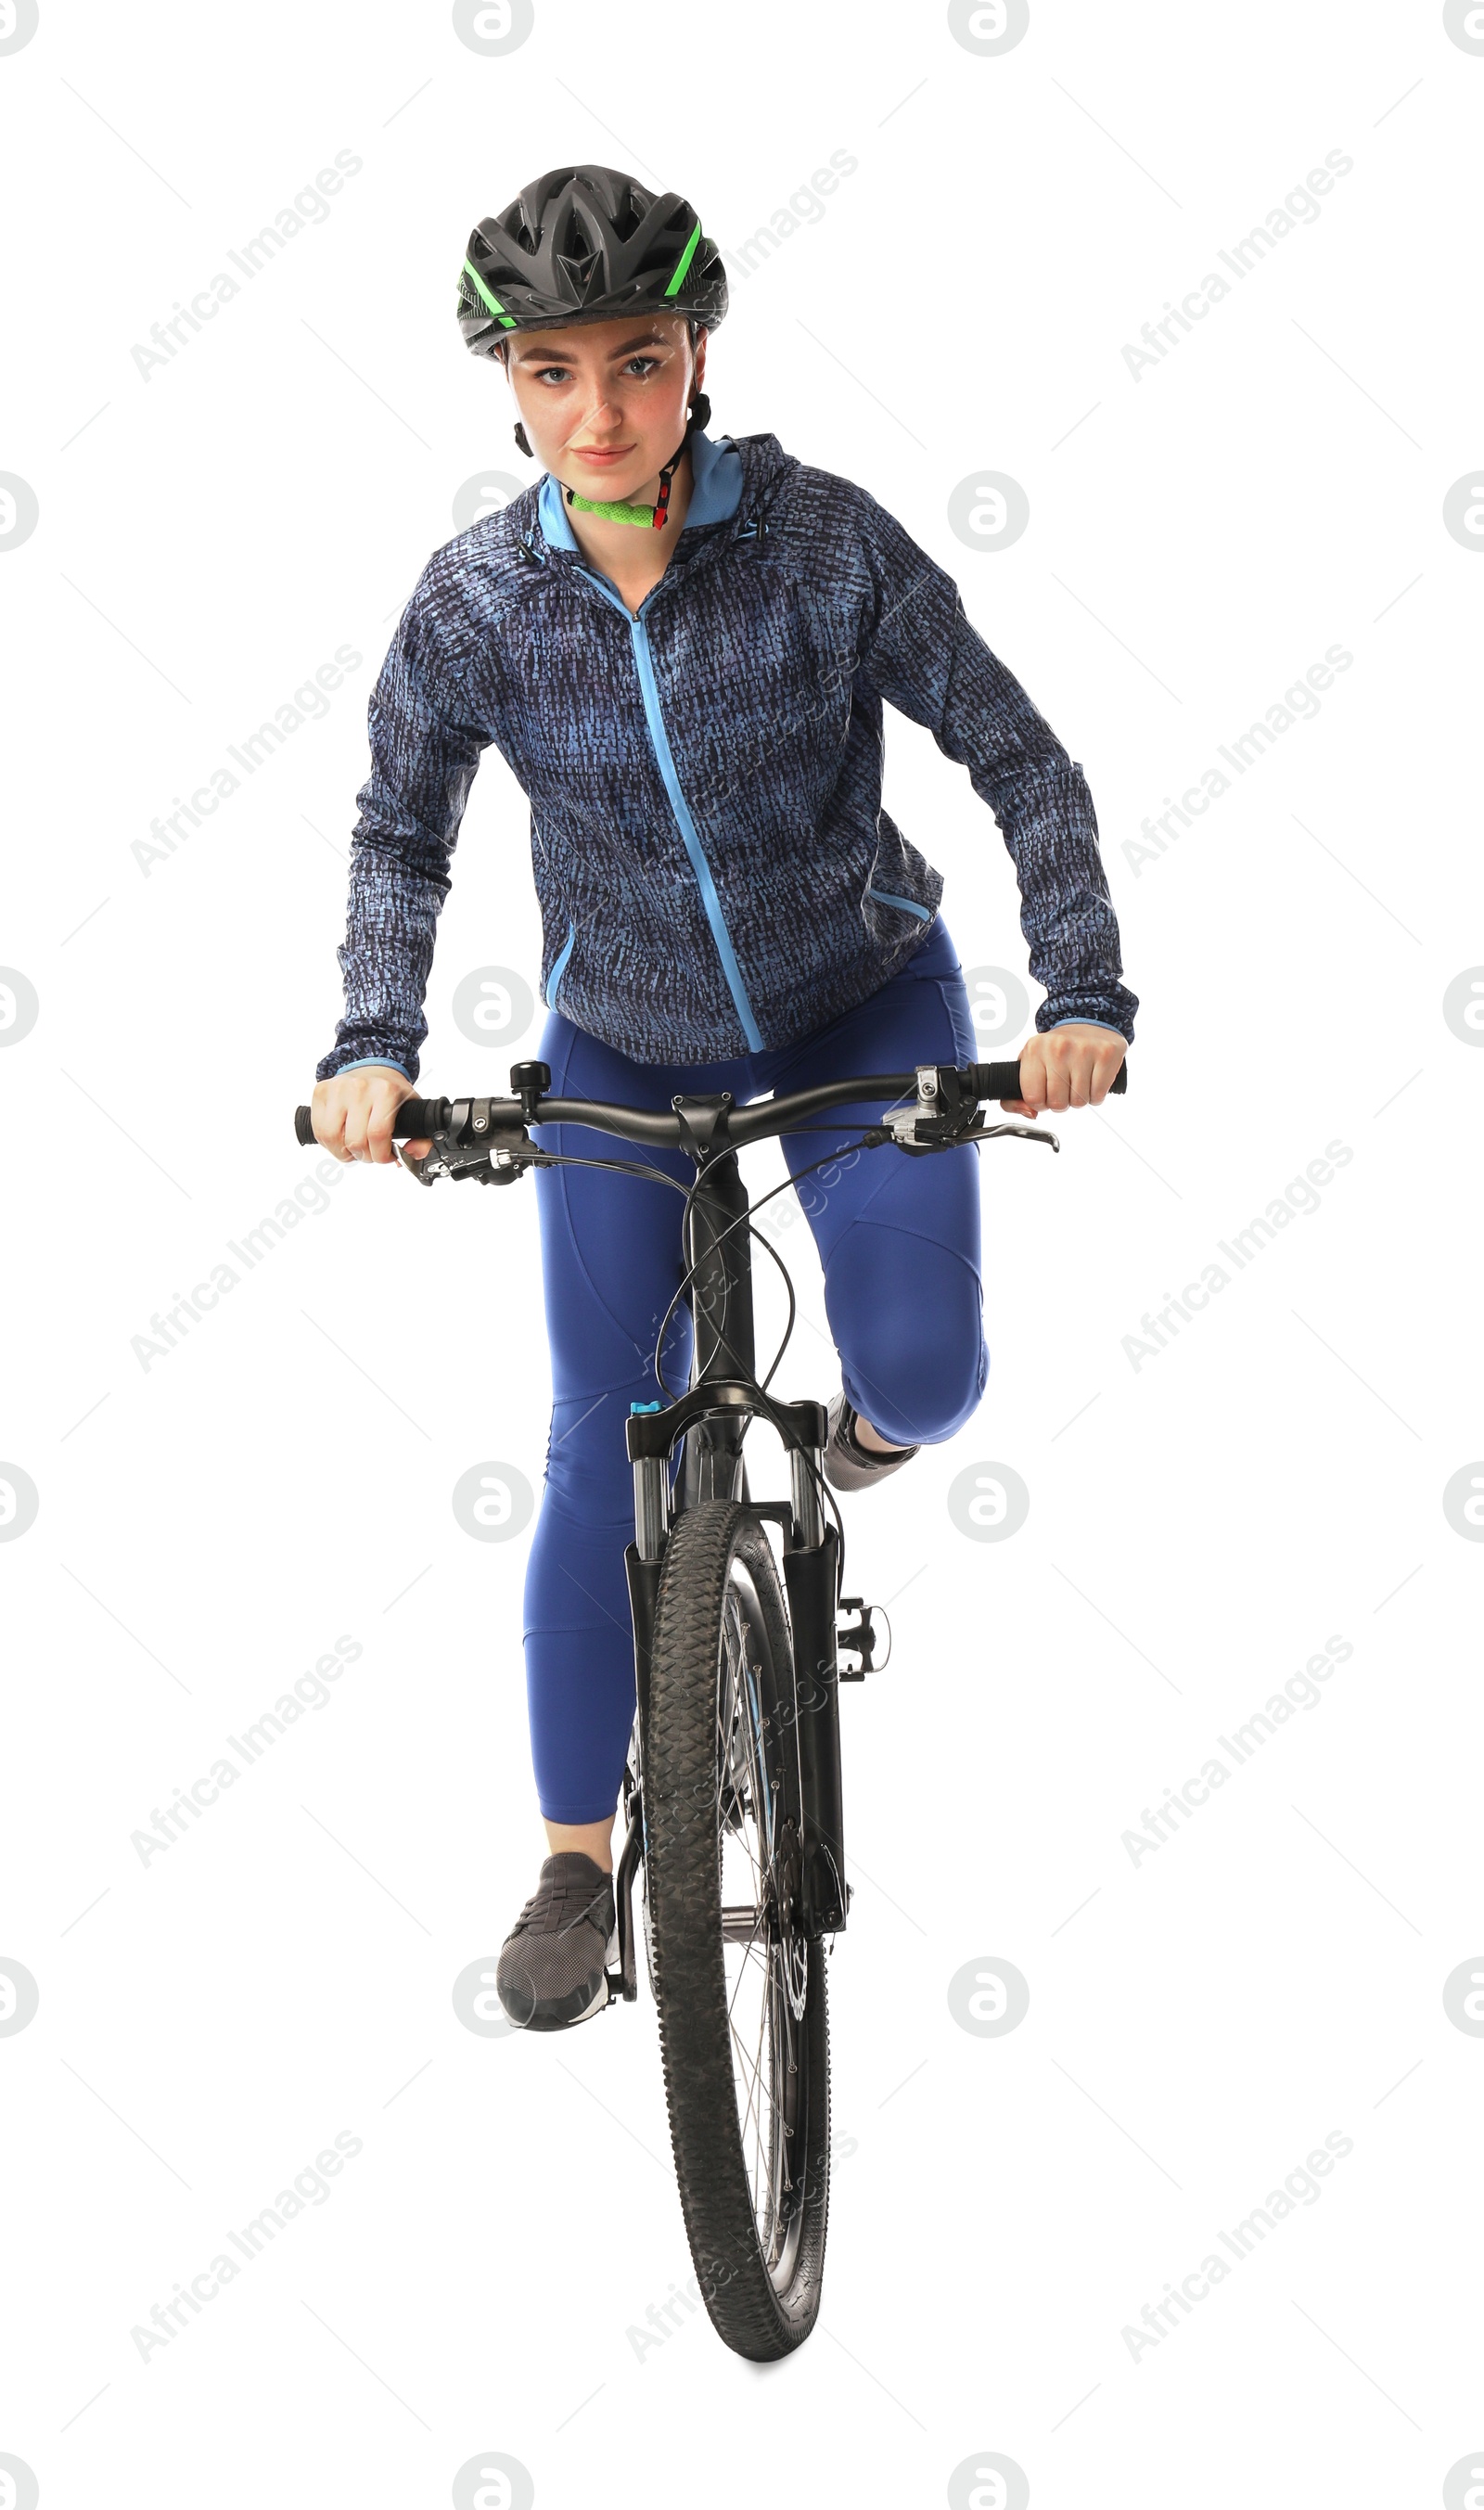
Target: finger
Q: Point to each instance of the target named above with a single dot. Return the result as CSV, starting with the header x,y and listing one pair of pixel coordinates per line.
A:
x,y
358,1116
379,1128
1033,1077
1017,1107
328,1125
1106,1066
1067,1059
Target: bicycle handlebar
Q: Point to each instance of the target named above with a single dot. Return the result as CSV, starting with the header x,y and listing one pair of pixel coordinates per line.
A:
x,y
417,1119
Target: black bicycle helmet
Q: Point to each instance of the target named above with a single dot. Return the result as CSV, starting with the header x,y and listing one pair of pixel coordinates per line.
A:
x,y
582,244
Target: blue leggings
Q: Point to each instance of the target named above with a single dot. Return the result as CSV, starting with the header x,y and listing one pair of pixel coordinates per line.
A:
x,y
899,1240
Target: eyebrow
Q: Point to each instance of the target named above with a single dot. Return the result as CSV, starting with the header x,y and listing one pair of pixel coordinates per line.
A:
x,y
552,358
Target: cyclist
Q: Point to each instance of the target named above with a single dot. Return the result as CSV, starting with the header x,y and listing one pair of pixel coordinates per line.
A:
x,y
681,644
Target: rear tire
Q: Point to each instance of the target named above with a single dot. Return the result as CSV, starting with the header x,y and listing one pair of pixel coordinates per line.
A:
x,y
743,2030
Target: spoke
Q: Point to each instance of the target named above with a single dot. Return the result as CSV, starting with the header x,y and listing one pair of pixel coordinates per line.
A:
x,y
755,1871
754,2115
748,1952
769,2148
748,1948
753,1963
780,2172
745,2056
781,2176
764,2008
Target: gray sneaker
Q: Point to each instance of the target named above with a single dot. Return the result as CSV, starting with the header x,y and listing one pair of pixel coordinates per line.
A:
x,y
552,1964
849,1464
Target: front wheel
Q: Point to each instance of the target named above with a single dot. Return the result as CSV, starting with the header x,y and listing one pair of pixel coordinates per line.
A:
x,y
744,2031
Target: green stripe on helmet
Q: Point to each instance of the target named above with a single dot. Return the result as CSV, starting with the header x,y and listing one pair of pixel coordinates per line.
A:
x,y
492,304
684,263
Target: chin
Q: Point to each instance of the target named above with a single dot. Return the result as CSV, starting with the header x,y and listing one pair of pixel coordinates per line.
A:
x,y
609,479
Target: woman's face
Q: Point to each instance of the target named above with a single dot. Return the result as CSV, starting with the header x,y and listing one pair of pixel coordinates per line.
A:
x,y
604,403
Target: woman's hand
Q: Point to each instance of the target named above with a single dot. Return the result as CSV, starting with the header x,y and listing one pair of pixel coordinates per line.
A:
x,y
1072,1066
353,1115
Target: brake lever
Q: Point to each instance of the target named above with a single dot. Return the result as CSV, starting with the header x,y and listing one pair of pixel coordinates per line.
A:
x,y
918,1138
1022,1134
473,1145
417,1167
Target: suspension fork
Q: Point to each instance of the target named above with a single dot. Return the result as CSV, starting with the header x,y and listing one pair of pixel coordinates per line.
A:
x,y
812,1580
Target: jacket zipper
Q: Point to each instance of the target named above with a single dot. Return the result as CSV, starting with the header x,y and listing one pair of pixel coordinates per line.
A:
x,y
559,965
659,737
887,898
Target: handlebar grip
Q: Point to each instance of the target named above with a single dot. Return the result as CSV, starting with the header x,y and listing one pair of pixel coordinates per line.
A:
x,y
1003,1080
416,1119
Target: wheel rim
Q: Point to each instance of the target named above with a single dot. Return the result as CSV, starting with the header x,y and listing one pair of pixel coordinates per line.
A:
x,y
765,1960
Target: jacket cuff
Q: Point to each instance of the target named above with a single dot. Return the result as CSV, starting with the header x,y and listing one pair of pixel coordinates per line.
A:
x,y
1112,1008
332,1067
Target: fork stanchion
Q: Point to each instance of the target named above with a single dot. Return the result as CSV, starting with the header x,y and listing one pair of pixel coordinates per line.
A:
x,y
806,1465
651,1506
651,1499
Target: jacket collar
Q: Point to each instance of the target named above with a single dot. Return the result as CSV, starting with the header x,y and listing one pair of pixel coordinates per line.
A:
x,y
719,472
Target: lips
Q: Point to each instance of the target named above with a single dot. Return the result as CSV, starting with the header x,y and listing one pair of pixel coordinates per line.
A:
x,y
586,454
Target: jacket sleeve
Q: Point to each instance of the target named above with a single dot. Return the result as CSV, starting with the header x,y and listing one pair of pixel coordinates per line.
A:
x,y
920,653
424,750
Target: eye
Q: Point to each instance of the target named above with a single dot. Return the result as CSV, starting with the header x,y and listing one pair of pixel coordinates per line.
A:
x,y
563,374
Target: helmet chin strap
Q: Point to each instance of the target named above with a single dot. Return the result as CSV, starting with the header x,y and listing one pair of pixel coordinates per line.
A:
x,y
648,517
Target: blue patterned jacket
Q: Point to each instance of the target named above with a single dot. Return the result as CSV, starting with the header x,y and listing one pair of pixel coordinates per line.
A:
x,y
715,872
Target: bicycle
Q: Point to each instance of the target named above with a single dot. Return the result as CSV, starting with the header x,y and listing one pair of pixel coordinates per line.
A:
x,y
732,1794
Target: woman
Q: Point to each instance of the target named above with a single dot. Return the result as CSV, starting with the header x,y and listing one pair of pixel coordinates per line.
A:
x,y
681,645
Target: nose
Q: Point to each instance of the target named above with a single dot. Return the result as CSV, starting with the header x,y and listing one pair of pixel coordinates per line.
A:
x,y
604,417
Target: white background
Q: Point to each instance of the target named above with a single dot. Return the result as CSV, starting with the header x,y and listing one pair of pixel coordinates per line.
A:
x,y
1003,2208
